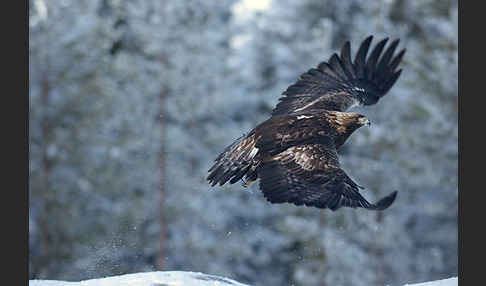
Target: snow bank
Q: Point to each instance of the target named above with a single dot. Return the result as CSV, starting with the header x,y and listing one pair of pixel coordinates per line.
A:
x,y
444,282
158,278
180,278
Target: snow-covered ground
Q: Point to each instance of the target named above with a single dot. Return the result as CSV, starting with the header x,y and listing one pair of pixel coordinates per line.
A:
x,y
159,278
443,282
180,278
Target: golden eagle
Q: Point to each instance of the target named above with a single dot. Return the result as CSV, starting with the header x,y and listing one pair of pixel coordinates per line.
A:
x,y
294,152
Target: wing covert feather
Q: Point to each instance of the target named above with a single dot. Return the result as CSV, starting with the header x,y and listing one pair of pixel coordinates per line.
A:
x,y
310,175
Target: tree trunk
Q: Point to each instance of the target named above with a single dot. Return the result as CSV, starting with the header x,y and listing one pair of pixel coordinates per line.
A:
x,y
162,220
43,192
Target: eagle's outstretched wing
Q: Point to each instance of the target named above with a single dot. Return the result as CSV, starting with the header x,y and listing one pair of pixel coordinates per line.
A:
x,y
310,175
341,83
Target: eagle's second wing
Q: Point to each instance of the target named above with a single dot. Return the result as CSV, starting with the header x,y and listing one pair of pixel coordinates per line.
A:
x,y
341,83
310,175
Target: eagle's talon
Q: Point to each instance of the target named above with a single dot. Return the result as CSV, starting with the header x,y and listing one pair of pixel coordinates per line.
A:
x,y
243,183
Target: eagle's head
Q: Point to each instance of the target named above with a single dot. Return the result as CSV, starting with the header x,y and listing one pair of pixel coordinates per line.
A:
x,y
345,122
349,119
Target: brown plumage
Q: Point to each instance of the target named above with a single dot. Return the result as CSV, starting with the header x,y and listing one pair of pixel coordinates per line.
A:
x,y
294,152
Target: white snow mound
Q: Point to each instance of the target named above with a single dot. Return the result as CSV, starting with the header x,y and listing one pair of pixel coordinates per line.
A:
x,y
180,278
444,282
158,278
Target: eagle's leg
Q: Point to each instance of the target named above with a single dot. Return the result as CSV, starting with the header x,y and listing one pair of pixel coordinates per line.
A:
x,y
247,183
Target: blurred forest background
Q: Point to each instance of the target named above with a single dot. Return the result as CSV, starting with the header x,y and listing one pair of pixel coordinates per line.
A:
x,y
131,101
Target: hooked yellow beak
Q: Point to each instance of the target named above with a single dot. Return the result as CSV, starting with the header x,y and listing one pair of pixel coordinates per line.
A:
x,y
364,121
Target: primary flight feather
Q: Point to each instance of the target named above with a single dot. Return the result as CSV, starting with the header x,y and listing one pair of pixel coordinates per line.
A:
x,y
294,152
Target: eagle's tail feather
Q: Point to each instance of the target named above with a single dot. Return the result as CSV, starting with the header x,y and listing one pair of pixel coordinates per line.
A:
x,y
239,175
235,161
